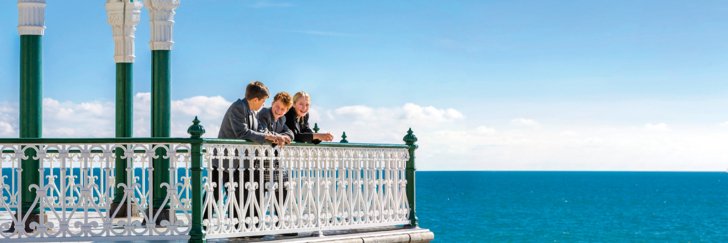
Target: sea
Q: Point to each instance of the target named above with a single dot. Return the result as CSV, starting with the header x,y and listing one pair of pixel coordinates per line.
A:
x,y
573,206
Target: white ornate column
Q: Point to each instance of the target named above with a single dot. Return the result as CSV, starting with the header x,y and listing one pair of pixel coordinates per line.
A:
x,y
31,17
123,16
161,18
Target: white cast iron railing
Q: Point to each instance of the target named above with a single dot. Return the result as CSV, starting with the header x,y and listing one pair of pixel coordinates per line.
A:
x,y
304,189
77,188
244,189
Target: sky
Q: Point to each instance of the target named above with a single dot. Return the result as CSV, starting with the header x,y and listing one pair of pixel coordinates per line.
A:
x,y
612,85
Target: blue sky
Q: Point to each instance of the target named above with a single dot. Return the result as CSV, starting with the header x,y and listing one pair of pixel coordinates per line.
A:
x,y
635,74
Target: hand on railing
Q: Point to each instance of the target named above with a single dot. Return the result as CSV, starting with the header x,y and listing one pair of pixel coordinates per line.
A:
x,y
280,140
326,137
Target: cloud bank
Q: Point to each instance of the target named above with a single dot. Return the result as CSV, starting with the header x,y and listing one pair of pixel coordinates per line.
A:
x,y
448,139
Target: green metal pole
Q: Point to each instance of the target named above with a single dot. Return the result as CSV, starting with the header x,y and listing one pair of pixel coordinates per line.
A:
x,y
123,17
31,113
196,131
410,170
124,122
161,106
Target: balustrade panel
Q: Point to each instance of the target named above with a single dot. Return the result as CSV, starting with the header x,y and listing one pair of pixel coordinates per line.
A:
x,y
247,190
76,188
261,190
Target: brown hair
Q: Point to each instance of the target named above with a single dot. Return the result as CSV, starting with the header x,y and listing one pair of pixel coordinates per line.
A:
x,y
284,98
256,89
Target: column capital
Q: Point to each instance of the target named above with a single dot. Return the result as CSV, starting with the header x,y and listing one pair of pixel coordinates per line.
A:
x,y
123,16
31,17
161,18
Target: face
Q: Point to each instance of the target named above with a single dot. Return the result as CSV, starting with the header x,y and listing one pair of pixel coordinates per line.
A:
x,y
302,106
278,109
255,104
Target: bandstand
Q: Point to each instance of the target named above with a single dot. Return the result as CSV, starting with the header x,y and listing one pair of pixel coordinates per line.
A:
x,y
159,188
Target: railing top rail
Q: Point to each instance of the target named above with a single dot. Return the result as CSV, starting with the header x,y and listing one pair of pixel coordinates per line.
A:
x,y
324,144
179,140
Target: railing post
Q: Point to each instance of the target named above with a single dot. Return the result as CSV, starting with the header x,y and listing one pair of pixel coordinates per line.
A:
x,y
196,131
410,140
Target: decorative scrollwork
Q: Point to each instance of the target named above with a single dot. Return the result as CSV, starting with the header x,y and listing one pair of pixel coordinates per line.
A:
x,y
303,188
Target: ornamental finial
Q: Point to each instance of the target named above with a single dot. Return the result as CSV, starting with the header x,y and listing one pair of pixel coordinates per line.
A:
x,y
410,138
343,138
196,130
315,127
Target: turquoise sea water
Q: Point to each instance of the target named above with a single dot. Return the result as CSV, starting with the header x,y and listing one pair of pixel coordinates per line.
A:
x,y
574,206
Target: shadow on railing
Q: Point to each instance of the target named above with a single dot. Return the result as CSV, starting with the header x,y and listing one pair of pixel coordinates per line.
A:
x,y
195,188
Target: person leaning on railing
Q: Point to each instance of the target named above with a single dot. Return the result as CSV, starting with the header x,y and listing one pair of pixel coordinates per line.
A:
x,y
273,120
241,122
297,121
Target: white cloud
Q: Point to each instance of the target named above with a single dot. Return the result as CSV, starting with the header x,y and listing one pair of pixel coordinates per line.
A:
x,y
68,119
430,113
7,130
485,130
385,124
8,119
525,122
96,119
356,112
210,111
660,127
447,140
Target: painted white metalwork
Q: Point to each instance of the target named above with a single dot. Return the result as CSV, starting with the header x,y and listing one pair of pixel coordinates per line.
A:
x,y
302,189
123,16
31,17
161,18
257,190
77,188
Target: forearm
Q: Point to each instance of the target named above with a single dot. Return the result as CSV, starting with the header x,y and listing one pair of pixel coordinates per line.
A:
x,y
255,136
304,137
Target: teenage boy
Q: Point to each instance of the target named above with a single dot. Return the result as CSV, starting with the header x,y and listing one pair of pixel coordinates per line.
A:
x,y
240,122
273,120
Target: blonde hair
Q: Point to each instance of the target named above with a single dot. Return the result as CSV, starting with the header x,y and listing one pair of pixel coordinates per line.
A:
x,y
299,95
284,98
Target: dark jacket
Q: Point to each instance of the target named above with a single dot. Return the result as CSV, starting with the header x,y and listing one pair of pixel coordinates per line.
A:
x,y
301,130
265,117
239,122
